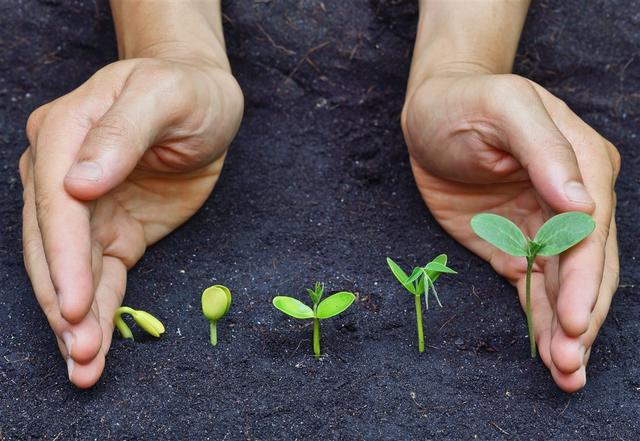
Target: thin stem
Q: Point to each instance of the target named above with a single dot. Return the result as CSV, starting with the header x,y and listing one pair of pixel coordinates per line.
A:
x,y
316,337
419,324
214,332
124,330
532,338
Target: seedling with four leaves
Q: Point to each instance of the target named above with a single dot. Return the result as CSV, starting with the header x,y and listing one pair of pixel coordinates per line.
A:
x,y
327,308
422,281
556,235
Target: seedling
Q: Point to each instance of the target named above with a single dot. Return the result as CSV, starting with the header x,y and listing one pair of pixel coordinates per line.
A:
x,y
422,281
327,308
556,235
216,301
143,319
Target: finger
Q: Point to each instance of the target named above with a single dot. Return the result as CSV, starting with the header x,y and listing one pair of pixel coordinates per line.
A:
x,y
83,375
569,353
115,144
572,382
62,220
608,287
581,267
535,140
82,340
109,295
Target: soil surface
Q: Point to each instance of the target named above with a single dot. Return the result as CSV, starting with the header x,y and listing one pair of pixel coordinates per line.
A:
x,y
317,186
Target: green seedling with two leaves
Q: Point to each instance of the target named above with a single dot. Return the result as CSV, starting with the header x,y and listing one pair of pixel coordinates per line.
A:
x,y
143,319
555,236
422,281
327,308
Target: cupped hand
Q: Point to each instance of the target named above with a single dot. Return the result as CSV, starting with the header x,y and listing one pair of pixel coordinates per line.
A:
x,y
111,168
503,144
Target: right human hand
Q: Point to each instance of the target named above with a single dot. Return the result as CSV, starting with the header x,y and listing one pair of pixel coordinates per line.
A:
x,y
501,143
111,168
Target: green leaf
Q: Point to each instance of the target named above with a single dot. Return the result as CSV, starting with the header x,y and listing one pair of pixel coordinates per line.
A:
x,y
316,293
417,272
439,268
216,301
435,293
441,259
148,322
420,287
500,232
312,295
400,275
293,307
334,304
563,231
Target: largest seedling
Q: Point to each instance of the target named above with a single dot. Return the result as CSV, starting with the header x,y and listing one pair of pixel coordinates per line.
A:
x,y
556,235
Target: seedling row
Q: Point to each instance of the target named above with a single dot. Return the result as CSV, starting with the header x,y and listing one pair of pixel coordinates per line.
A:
x,y
555,236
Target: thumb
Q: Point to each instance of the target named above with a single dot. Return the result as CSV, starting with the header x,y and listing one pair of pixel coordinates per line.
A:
x,y
547,156
115,144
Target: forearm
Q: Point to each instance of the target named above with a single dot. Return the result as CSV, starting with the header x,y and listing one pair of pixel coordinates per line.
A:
x,y
174,29
466,35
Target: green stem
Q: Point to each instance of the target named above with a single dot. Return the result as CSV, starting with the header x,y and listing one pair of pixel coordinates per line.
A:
x,y
419,324
316,337
214,332
124,330
532,338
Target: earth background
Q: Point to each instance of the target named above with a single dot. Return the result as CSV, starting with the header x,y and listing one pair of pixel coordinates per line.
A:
x,y
317,186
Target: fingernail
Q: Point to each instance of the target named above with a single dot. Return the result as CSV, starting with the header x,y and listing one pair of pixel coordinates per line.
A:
x,y
70,364
86,171
576,192
67,337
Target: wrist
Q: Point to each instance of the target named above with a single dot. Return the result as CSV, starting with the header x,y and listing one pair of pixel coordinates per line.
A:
x,y
186,31
469,39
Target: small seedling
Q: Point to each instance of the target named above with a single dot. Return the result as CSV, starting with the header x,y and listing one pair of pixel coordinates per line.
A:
x,y
556,235
216,301
143,319
421,281
327,308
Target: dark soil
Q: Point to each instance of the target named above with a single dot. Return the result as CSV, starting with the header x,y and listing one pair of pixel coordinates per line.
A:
x,y
317,186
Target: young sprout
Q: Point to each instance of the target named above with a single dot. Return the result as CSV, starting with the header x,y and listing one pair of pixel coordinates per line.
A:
x,y
329,307
421,280
216,301
556,235
143,319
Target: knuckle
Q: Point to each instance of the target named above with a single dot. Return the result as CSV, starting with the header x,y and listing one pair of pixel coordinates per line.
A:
x,y
23,164
616,159
601,234
44,206
559,151
113,129
34,122
413,112
31,248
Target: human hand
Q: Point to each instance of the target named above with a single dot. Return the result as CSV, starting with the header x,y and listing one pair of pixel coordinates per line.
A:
x,y
111,168
503,144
